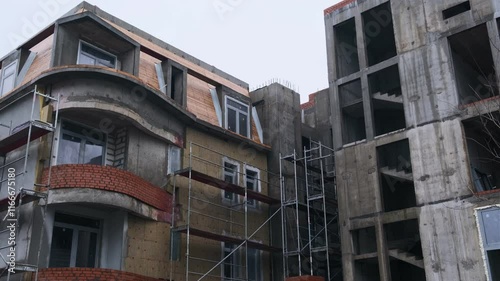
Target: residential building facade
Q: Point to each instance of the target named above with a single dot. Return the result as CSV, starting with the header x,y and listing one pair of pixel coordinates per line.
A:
x,y
132,160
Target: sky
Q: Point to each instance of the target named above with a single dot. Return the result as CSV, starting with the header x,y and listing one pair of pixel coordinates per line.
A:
x,y
254,40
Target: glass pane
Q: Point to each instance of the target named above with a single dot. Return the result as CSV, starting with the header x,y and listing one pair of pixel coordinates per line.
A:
x,y
8,83
491,223
11,69
106,62
494,261
231,120
87,248
60,250
69,150
252,265
86,59
174,159
243,124
237,105
93,154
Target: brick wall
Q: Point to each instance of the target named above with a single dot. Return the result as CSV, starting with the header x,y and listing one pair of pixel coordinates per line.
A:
x,y
89,274
110,179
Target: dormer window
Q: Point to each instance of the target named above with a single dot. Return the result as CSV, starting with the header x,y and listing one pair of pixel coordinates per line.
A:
x,y
8,78
237,117
91,55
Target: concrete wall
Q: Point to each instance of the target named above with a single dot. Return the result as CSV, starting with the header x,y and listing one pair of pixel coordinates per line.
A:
x,y
439,160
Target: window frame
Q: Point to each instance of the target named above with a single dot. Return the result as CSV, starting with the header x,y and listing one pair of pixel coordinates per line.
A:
x,y
3,77
236,179
81,42
253,203
62,131
171,148
74,240
238,112
235,260
482,237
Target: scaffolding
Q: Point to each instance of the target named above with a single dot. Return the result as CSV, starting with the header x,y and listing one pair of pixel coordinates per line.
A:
x,y
23,135
232,190
310,234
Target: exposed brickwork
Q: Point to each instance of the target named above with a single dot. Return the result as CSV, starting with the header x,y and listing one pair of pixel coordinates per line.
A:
x,y
89,274
338,6
305,278
309,104
111,179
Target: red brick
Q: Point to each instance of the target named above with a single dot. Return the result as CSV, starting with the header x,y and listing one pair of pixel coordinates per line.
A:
x,y
111,179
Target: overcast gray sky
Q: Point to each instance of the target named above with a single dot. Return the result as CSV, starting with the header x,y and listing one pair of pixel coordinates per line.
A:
x,y
254,40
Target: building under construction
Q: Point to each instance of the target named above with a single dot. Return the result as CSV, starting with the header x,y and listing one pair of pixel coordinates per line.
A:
x,y
414,103
125,158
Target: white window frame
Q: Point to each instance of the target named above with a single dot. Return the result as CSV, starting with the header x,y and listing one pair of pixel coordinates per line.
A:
x,y
63,131
3,77
238,111
254,203
171,149
74,239
235,261
482,235
98,49
236,180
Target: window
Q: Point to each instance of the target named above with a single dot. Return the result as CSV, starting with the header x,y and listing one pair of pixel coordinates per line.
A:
x,y
74,242
175,245
8,78
174,159
91,55
237,117
489,221
231,171
456,10
252,181
231,265
254,265
80,145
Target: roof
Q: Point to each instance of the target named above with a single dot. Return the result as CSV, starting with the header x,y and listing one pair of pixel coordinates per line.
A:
x,y
199,99
338,6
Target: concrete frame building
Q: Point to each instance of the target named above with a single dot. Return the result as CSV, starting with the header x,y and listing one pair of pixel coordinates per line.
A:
x,y
414,101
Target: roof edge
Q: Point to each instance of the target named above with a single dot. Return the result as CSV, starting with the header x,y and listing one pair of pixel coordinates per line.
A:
x,y
338,6
107,16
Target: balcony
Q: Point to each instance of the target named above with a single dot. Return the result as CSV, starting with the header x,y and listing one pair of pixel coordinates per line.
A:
x,y
88,274
104,185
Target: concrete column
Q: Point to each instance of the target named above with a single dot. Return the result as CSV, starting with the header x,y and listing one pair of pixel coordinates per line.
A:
x,y
367,107
383,253
495,47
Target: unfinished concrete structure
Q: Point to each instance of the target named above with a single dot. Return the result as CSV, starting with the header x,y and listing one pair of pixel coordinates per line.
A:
x,y
414,101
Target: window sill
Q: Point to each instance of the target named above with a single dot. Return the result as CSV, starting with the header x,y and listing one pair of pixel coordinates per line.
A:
x,y
487,192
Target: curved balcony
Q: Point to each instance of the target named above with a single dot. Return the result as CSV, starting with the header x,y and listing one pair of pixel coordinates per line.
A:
x,y
89,274
104,185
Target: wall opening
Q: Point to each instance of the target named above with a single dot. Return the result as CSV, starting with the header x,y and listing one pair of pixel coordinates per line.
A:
x,y
366,270
456,10
396,178
364,241
353,116
405,251
482,134
473,64
379,34
346,48
177,84
387,100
